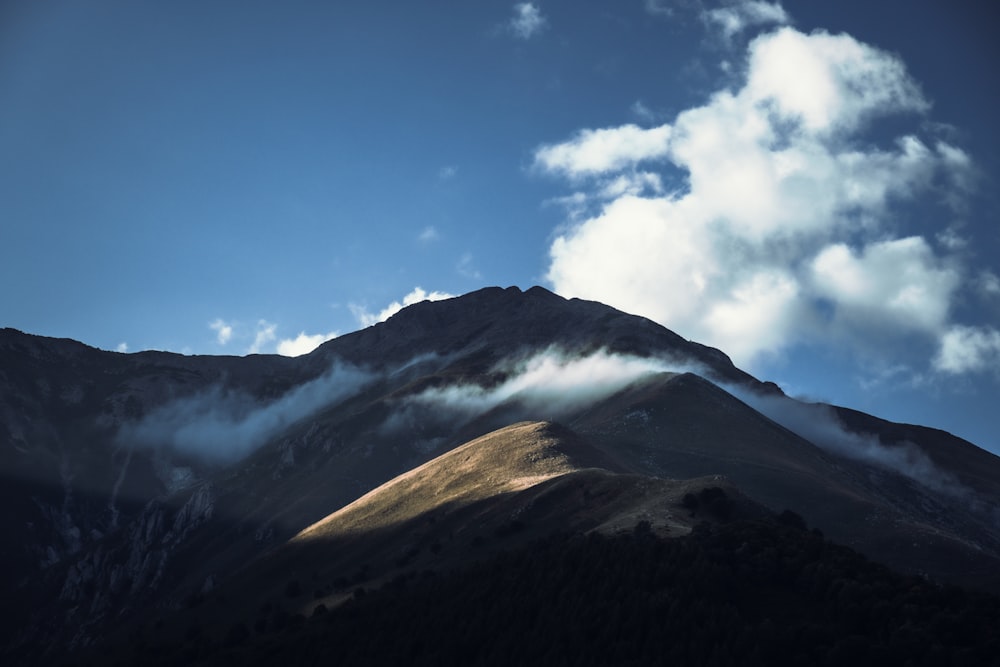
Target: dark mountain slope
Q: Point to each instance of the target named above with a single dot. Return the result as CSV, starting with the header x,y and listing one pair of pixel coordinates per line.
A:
x,y
742,593
684,426
138,482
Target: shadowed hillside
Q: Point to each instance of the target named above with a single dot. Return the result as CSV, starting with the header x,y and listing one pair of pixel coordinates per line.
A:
x,y
141,486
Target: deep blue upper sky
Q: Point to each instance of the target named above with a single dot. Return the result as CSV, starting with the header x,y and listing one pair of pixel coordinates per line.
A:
x,y
808,186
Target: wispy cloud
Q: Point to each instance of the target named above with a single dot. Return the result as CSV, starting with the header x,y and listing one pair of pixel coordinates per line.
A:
x,y
223,331
122,347
366,318
643,112
734,18
527,20
659,7
989,283
447,173
428,234
467,267
820,425
784,228
222,425
264,335
593,152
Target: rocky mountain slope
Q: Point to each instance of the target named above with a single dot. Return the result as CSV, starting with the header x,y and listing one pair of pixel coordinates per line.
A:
x,y
137,484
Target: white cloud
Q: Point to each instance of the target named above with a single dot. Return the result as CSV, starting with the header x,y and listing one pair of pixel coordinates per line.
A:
x,y
969,349
545,385
264,335
122,347
828,82
448,172
303,343
223,331
898,283
754,318
527,21
734,19
786,220
599,151
367,319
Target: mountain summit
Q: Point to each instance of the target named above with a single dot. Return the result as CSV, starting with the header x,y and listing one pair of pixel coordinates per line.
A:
x,y
149,482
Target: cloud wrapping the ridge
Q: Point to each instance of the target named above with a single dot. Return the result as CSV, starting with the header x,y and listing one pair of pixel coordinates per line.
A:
x,y
544,385
820,425
771,219
221,426
367,318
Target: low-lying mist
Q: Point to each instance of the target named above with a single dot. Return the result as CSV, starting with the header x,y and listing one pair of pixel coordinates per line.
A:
x,y
223,425
819,424
544,385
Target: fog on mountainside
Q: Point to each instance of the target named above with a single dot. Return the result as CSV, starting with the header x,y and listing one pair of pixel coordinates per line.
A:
x,y
819,424
222,426
91,438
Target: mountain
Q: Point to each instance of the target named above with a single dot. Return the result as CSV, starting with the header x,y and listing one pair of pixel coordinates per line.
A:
x,y
137,487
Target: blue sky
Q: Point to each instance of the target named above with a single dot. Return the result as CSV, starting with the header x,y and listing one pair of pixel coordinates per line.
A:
x,y
809,186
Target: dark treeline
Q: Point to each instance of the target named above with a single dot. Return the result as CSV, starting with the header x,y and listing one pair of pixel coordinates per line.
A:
x,y
742,593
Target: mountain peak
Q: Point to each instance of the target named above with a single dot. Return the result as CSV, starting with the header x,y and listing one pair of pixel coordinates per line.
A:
x,y
503,321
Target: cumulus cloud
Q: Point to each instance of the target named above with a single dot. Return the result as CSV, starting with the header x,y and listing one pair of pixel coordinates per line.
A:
x,y
969,349
899,282
767,215
264,335
367,318
223,425
735,18
223,331
303,343
527,20
122,347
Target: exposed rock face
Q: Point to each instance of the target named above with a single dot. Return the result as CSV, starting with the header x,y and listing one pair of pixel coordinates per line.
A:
x,y
100,516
